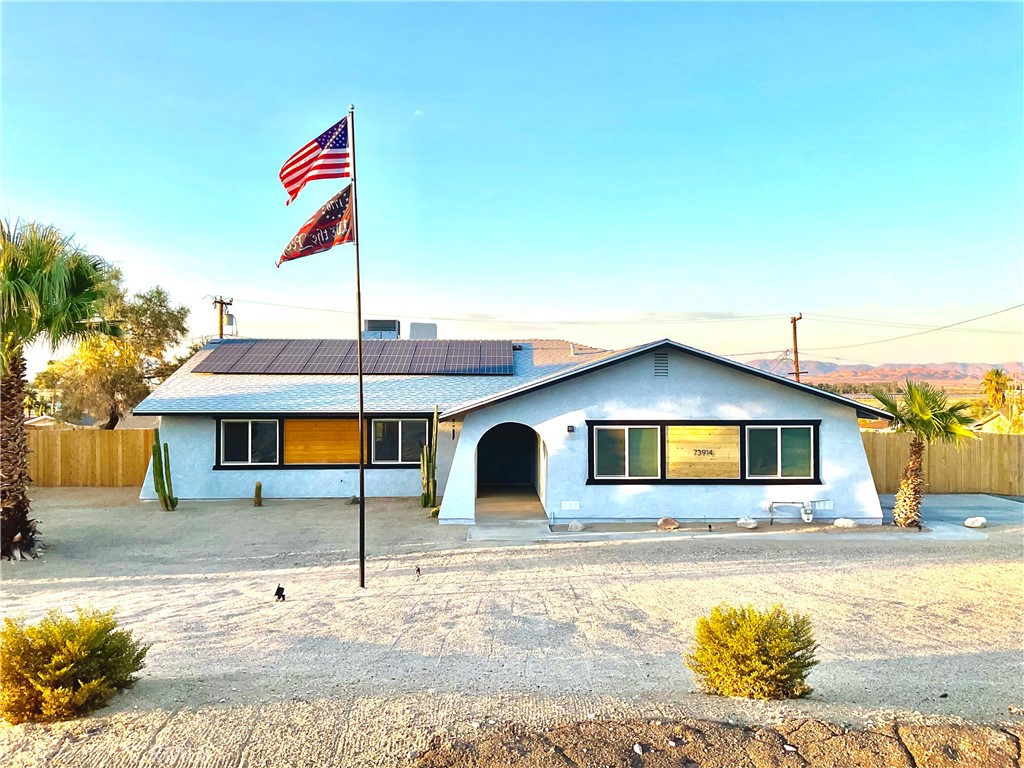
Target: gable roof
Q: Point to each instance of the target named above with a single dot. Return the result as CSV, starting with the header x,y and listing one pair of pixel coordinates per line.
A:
x,y
189,392
538,363
863,411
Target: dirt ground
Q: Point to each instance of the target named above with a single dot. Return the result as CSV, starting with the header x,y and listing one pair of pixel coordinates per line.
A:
x,y
489,637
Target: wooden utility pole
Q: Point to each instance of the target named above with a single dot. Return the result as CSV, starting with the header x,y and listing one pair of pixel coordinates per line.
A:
x,y
222,304
796,350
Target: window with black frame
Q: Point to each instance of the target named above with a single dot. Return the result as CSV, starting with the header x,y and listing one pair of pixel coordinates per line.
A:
x,y
780,452
248,441
398,441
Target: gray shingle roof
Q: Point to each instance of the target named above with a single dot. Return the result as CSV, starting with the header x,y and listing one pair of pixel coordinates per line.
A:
x,y
610,358
187,392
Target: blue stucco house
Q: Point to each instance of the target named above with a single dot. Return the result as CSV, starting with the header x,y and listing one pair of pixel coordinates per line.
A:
x,y
598,435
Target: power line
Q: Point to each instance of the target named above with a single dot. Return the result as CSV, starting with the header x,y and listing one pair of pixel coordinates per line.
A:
x,y
688,321
473,319
762,352
878,341
918,333
677,321
882,323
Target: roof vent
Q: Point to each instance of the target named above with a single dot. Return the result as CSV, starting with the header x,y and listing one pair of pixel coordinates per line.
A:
x,y
660,365
381,329
423,331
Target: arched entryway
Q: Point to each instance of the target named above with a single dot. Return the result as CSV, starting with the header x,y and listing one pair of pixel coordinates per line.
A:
x,y
511,468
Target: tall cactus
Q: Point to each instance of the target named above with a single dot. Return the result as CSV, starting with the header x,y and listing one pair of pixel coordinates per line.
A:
x,y
428,467
162,474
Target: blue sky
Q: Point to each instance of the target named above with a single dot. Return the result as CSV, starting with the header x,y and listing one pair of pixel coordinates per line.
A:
x,y
612,173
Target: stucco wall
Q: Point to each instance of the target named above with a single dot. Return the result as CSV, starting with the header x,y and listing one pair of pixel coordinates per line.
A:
x,y
192,443
540,472
694,389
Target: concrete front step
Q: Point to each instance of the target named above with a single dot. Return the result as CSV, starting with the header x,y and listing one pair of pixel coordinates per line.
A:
x,y
509,530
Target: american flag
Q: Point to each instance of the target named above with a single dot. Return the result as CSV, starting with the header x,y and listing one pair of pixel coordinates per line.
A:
x,y
326,157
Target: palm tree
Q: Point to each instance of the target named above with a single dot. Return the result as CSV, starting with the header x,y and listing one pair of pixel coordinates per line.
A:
x,y
922,410
995,384
50,291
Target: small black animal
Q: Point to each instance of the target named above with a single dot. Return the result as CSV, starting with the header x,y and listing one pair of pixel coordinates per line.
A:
x,y
417,571
279,593
709,526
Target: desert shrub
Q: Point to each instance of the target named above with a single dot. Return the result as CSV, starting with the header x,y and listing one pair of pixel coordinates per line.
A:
x,y
755,654
64,665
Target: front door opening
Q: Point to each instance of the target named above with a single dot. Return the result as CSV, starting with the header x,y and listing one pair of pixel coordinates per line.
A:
x,y
510,469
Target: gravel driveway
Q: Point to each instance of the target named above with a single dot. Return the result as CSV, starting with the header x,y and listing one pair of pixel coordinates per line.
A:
x,y
339,675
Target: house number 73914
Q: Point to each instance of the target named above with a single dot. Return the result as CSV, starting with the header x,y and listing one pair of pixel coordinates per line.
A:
x,y
703,451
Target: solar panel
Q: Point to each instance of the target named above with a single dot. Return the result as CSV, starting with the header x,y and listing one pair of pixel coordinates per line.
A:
x,y
496,358
371,351
380,357
259,356
295,355
395,358
223,357
463,357
328,356
429,357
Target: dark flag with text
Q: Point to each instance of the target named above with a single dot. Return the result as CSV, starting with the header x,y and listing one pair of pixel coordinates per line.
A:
x,y
328,227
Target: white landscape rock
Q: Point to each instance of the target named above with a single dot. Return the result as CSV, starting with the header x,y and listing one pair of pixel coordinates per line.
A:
x,y
747,522
976,522
845,522
576,526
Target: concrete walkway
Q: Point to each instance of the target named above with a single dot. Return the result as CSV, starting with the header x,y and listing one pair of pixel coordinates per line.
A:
x,y
501,503
942,515
954,508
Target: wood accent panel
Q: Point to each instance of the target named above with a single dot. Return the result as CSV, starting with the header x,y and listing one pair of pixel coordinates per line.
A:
x,y
321,441
703,452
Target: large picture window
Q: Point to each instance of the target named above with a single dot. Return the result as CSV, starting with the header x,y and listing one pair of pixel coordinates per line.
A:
x,y
248,441
704,452
398,441
780,452
627,452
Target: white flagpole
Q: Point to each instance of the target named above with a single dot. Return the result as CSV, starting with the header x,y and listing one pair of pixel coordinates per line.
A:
x,y
359,356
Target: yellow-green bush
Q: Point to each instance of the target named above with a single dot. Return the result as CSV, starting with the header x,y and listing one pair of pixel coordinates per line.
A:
x,y
64,665
754,654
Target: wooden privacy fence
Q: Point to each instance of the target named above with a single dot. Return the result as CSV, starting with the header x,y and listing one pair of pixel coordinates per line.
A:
x,y
95,458
120,458
990,464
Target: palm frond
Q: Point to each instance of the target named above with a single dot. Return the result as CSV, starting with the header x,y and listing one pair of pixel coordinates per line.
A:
x,y
890,404
49,289
924,410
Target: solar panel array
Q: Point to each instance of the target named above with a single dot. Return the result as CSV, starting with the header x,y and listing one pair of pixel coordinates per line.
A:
x,y
380,356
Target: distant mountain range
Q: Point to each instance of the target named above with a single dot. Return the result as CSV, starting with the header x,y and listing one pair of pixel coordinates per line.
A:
x,y
818,371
